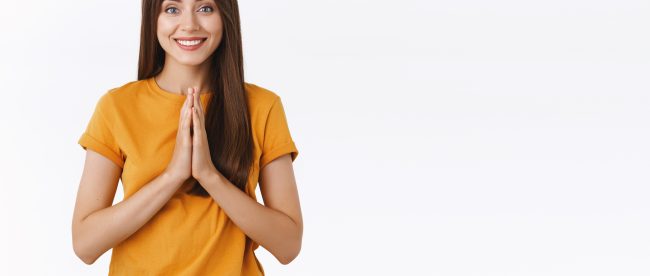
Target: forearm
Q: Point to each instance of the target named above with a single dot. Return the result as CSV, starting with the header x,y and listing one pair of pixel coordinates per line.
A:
x,y
104,229
270,228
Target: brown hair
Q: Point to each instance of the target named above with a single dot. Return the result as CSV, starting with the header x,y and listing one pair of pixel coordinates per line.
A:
x,y
227,120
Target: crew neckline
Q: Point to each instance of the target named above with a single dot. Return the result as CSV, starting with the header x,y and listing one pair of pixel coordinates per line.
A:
x,y
153,85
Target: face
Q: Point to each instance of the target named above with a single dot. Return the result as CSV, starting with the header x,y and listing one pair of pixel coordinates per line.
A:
x,y
189,30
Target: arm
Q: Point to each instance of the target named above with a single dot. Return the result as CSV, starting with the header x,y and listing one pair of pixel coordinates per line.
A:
x,y
276,226
96,225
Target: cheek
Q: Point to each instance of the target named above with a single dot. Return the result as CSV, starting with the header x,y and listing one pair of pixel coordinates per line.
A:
x,y
165,29
213,26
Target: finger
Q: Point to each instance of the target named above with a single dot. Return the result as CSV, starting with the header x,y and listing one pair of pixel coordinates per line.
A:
x,y
195,119
188,115
197,98
195,126
183,114
201,117
189,111
199,105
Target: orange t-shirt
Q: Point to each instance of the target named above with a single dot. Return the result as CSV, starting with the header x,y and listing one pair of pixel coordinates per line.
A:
x,y
135,126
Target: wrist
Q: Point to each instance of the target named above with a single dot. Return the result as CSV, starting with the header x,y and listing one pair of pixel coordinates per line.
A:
x,y
173,178
206,174
210,177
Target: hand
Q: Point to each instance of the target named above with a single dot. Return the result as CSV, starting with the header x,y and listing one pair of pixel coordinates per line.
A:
x,y
202,165
180,166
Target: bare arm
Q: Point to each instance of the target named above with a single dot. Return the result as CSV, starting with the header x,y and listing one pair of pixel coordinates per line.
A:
x,y
277,225
96,225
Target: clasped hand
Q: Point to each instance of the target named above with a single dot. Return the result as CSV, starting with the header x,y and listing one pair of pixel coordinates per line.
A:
x,y
191,157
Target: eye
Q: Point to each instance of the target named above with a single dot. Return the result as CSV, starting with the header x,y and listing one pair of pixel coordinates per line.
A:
x,y
209,9
171,8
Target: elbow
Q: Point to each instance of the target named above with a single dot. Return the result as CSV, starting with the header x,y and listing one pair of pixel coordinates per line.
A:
x,y
87,259
287,259
294,248
81,252
78,246
285,262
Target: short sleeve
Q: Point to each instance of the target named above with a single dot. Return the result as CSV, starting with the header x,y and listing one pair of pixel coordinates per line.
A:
x,y
99,136
277,137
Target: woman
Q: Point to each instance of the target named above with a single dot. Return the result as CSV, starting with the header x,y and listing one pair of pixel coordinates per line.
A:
x,y
189,173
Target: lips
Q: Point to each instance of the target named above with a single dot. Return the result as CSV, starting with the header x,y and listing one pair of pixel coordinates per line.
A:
x,y
190,43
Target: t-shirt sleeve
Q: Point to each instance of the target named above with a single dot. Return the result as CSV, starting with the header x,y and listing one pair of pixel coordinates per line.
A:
x,y
277,137
99,136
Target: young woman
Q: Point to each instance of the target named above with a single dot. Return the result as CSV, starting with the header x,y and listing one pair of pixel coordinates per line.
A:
x,y
190,140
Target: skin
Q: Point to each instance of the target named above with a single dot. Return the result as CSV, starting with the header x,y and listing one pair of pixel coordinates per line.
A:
x,y
185,69
98,226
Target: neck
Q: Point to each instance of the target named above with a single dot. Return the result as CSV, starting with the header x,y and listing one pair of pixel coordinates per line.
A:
x,y
177,78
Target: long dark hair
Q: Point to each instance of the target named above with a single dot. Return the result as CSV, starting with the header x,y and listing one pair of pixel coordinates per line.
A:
x,y
227,120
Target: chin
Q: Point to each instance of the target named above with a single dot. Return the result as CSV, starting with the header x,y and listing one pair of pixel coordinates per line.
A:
x,y
191,61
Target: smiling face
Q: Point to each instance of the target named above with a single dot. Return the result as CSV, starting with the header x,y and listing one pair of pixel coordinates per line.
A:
x,y
189,30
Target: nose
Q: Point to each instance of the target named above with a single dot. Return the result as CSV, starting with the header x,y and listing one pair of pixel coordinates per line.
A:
x,y
188,22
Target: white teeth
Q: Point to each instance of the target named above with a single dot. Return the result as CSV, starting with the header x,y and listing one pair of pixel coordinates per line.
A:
x,y
189,42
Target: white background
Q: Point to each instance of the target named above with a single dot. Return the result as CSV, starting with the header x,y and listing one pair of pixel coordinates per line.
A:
x,y
452,137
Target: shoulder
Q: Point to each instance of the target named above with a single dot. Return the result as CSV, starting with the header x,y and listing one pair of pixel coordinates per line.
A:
x,y
120,96
260,98
127,90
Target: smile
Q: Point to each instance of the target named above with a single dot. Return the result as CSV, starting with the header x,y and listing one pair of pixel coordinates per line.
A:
x,y
190,43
